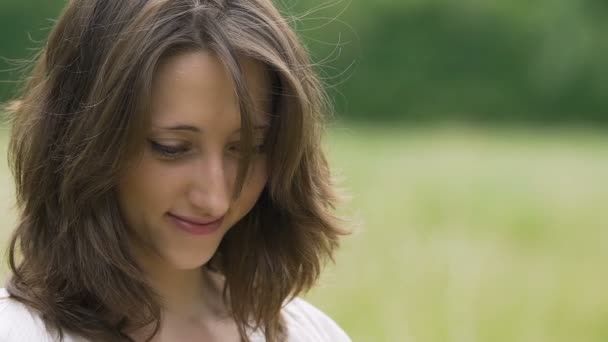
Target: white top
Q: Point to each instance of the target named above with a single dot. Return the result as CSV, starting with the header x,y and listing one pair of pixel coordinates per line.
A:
x,y
305,323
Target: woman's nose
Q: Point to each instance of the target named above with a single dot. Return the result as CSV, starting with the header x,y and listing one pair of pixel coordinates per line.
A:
x,y
210,190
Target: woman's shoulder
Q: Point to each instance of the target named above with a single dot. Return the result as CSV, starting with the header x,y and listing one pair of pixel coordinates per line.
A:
x,y
307,323
18,323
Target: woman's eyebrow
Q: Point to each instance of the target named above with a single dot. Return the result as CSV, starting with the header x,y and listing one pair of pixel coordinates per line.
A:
x,y
182,128
256,127
190,128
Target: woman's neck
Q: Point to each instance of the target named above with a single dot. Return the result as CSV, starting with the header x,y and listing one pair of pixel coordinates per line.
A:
x,y
193,294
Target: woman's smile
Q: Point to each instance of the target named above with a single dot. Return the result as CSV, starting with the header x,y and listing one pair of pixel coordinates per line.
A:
x,y
195,226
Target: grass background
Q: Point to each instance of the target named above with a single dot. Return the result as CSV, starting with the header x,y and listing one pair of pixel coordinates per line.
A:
x,y
467,234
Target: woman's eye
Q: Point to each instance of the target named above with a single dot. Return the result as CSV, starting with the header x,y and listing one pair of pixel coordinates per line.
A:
x,y
168,151
261,148
258,149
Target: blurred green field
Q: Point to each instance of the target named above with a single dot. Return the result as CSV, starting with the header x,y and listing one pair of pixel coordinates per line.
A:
x,y
466,234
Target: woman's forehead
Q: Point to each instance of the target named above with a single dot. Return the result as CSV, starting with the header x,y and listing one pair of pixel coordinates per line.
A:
x,y
197,81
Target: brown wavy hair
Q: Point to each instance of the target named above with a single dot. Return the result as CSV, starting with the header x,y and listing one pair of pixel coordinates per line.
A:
x,y
79,120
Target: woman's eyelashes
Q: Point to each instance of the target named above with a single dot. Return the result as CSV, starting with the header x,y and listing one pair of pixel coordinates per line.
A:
x,y
236,148
174,151
168,151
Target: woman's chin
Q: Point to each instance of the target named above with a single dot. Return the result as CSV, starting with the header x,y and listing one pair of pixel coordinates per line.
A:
x,y
188,261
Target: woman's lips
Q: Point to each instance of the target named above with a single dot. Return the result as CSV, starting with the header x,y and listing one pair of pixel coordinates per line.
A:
x,y
194,227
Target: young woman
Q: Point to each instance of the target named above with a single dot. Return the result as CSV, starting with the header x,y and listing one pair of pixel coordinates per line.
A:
x,y
170,179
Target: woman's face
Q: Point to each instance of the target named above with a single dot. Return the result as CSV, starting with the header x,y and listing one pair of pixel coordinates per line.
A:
x,y
186,175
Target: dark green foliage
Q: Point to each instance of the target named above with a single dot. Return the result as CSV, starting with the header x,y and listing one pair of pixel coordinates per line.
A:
x,y
489,62
424,60
24,25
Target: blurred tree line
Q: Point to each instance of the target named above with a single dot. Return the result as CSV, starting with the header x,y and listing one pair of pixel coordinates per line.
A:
x,y
540,61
